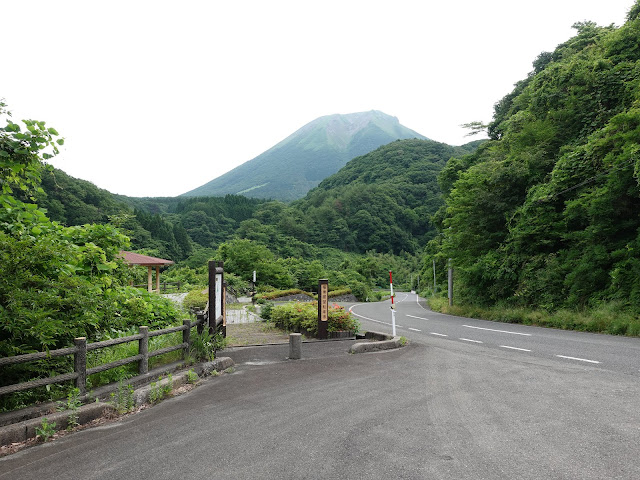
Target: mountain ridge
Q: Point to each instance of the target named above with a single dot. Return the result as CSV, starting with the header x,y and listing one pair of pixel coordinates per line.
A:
x,y
295,165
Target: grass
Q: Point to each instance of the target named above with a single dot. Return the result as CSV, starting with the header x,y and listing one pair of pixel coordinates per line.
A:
x,y
611,318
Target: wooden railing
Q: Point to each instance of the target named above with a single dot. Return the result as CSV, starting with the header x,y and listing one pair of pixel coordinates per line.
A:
x,y
81,347
165,287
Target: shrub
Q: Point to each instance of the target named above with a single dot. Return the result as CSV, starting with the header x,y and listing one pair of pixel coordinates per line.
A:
x,y
195,300
297,316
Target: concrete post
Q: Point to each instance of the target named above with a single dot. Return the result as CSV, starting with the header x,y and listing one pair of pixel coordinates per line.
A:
x,y
80,364
186,338
143,349
295,346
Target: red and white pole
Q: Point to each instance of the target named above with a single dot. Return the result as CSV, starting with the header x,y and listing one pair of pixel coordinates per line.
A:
x,y
393,306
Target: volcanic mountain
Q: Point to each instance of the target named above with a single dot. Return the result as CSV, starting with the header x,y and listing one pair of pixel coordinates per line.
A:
x,y
288,170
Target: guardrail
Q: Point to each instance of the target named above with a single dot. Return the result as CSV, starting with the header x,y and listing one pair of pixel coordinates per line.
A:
x,y
81,347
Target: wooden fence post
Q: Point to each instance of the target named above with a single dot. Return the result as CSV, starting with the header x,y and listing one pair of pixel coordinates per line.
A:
x,y
80,363
143,349
186,338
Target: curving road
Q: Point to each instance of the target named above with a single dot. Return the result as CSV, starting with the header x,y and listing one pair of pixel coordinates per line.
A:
x,y
418,323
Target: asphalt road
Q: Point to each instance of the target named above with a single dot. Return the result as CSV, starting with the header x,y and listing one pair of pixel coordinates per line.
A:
x,y
416,322
440,408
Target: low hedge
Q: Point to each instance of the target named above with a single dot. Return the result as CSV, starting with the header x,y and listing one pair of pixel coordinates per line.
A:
x,y
297,316
282,293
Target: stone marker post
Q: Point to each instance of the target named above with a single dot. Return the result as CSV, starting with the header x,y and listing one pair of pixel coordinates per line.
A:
x,y
323,308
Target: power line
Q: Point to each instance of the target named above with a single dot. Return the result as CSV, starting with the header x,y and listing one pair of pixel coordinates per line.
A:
x,y
587,181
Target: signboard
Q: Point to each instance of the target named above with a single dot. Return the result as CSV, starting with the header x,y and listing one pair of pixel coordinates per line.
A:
x,y
218,308
323,308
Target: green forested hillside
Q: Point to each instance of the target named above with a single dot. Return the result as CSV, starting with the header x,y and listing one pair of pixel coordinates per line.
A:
x,y
547,213
381,201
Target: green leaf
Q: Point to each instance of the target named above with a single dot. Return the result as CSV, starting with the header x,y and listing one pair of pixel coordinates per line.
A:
x,y
52,131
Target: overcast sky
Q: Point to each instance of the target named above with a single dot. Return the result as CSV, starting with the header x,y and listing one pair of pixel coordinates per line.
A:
x,y
155,98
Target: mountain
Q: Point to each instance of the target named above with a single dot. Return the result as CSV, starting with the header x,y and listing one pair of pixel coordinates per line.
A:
x,y
288,170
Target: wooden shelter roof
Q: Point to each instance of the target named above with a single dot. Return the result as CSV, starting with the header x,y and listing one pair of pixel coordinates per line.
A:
x,y
144,260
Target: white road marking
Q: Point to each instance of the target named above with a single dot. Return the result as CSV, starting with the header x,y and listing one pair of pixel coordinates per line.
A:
x,y
469,340
419,318
499,331
515,348
579,359
370,319
414,329
439,334
366,318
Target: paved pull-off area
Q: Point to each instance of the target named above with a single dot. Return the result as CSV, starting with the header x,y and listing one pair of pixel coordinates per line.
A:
x,y
440,408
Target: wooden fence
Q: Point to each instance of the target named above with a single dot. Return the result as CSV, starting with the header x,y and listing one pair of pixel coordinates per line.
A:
x,y
81,347
165,287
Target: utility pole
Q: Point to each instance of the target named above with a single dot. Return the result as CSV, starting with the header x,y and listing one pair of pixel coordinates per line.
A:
x,y
434,276
450,283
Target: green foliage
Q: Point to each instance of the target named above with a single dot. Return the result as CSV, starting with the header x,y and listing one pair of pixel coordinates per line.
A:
x,y
159,390
123,399
56,282
545,214
192,377
272,295
296,316
46,430
195,300
203,346
72,404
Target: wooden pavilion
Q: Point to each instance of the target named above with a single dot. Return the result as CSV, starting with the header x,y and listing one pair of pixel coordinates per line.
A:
x,y
149,262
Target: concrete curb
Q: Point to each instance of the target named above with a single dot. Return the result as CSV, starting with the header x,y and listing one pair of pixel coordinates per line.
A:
x,y
381,342
26,429
19,432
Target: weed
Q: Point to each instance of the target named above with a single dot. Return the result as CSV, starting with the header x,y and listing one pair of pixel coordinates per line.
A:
x,y
160,391
72,404
122,399
192,377
403,341
202,346
46,430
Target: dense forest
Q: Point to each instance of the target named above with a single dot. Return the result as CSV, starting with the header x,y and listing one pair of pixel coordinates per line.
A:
x,y
546,213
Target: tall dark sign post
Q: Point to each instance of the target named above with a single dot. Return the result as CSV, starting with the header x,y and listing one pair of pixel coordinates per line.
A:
x,y
217,307
323,309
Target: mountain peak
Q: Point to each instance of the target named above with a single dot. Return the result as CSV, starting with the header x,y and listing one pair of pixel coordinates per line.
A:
x,y
292,167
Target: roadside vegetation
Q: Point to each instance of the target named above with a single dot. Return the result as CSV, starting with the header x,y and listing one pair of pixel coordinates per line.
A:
x,y
613,318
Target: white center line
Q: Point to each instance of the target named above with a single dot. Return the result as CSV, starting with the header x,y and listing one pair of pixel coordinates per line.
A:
x,y
439,334
414,329
469,340
499,331
579,359
515,348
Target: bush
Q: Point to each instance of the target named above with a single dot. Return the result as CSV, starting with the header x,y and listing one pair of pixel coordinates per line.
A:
x,y
282,293
195,300
297,316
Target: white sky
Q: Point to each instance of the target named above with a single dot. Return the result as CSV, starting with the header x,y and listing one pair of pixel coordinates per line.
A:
x,y
155,98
